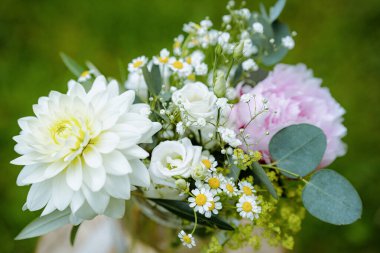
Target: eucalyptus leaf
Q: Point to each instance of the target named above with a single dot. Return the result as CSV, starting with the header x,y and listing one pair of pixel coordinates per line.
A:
x,y
44,224
298,149
183,210
234,172
276,10
153,79
331,198
277,51
263,179
72,65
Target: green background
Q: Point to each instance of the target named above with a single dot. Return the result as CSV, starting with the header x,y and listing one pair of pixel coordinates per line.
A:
x,y
339,39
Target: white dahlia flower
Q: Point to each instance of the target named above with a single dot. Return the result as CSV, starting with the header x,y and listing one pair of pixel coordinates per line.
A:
x,y
81,152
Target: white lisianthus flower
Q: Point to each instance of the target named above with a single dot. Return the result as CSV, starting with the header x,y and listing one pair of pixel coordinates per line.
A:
x,y
173,158
197,100
80,151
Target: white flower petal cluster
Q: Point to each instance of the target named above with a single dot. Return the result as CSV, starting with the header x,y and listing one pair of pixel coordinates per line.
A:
x,y
248,207
229,136
80,150
174,158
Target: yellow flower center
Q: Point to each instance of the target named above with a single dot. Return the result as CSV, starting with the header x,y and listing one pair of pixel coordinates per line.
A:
x,y
138,63
212,207
200,199
214,182
186,239
247,207
177,44
191,77
207,163
247,191
85,73
178,65
230,188
163,59
188,60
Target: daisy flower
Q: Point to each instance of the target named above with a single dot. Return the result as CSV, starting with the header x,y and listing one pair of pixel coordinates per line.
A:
x,y
163,58
187,239
85,76
209,161
180,66
216,205
201,201
215,181
246,188
229,187
248,207
137,64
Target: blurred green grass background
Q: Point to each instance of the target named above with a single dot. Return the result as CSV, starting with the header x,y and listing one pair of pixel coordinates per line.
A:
x,y
339,39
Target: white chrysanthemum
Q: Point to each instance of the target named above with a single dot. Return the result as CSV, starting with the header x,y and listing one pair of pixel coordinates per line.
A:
x,y
229,187
137,64
246,188
216,205
215,181
187,239
201,201
248,207
81,150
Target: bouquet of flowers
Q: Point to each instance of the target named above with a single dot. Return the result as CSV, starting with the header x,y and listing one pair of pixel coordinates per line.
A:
x,y
214,133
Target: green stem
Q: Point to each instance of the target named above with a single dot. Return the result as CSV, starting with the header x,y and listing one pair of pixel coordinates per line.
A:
x,y
196,222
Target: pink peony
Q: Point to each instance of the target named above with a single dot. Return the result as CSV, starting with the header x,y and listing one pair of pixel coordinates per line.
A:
x,y
294,96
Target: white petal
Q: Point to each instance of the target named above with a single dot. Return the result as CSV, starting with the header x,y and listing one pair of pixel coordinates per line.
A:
x,y
77,201
50,207
115,163
98,86
97,200
85,212
74,174
115,208
107,142
118,187
39,195
55,168
92,157
76,89
135,152
31,174
147,138
140,175
95,178
62,193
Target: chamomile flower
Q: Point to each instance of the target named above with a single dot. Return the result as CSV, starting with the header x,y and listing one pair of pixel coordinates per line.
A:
x,y
246,188
248,207
229,187
163,58
209,161
177,44
201,201
137,64
216,205
215,181
195,58
201,69
85,76
180,66
186,239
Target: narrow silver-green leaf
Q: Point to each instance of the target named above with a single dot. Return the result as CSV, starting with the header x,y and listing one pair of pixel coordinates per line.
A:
x,y
276,10
153,79
72,65
298,149
331,198
259,173
183,210
44,224
73,234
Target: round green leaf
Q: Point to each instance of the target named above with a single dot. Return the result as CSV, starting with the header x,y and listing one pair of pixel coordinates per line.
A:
x,y
331,198
298,148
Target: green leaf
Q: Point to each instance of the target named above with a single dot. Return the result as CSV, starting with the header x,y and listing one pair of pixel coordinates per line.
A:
x,y
73,66
298,149
278,52
44,224
73,234
183,210
262,177
276,10
153,79
331,198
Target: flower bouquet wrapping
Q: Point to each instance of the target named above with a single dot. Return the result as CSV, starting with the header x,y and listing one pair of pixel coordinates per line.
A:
x,y
212,138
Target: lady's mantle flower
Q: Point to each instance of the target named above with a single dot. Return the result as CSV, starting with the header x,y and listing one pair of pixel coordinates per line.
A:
x,y
187,239
81,150
248,207
201,202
